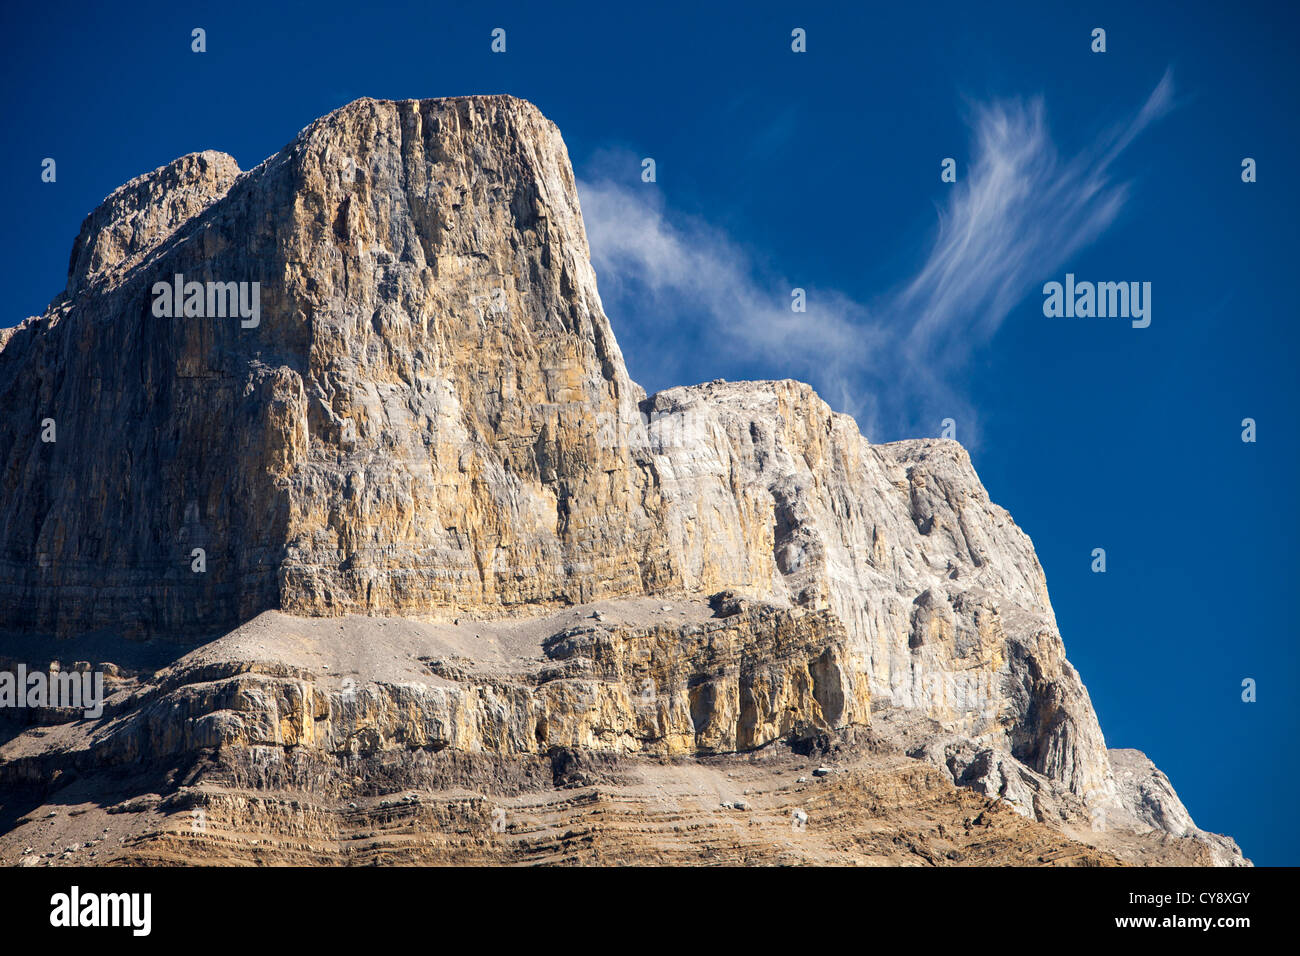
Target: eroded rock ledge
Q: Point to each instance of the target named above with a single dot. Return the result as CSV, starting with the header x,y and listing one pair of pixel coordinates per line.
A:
x,y
291,719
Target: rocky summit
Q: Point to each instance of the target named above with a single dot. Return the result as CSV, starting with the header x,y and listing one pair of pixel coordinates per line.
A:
x,y
334,470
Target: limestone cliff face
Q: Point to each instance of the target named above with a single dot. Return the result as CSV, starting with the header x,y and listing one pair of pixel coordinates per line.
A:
x,y
941,591
432,417
756,676
412,426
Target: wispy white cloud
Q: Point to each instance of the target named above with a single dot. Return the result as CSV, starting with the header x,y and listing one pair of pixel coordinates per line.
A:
x,y
1018,215
1021,213
664,265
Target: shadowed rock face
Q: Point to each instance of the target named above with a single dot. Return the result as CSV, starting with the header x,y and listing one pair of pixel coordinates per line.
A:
x,y
433,417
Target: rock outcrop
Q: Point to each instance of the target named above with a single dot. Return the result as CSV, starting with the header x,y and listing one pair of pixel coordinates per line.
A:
x,y
626,731
431,419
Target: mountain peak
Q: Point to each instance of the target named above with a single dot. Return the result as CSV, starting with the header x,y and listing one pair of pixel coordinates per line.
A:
x,y
140,214
373,376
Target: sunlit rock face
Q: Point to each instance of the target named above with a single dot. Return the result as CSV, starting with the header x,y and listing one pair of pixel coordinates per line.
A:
x,y
420,420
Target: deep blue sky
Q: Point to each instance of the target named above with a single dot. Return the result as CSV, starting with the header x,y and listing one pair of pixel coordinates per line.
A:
x,y
825,167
